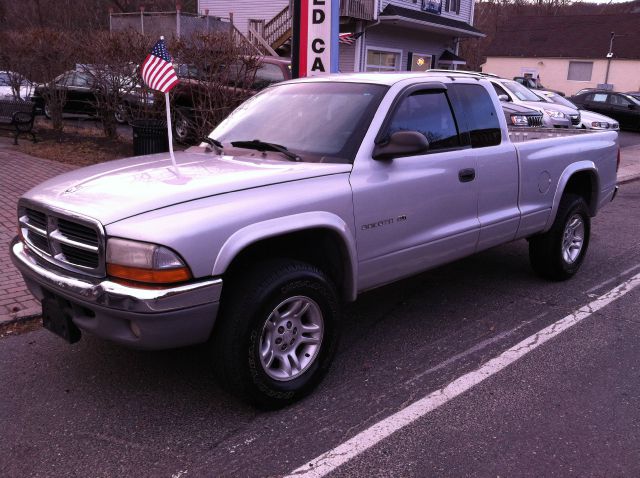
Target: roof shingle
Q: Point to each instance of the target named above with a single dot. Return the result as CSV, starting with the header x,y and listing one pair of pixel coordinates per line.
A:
x,y
569,36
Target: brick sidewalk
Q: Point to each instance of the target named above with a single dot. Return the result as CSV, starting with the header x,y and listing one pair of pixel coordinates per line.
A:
x,y
19,173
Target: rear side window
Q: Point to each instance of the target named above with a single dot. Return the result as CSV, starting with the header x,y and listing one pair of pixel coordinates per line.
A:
x,y
477,115
428,113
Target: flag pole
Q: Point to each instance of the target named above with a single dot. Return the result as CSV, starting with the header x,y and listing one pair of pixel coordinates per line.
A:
x,y
170,133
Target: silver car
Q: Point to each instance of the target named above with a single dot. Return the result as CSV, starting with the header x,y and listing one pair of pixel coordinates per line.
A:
x,y
554,115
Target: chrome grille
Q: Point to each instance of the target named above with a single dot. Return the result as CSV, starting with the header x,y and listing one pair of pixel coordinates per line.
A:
x,y
534,121
72,242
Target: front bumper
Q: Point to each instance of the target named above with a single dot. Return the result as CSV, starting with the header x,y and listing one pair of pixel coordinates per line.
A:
x,y
133,316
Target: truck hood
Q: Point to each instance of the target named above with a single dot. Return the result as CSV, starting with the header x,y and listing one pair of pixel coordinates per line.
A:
x,y
119,189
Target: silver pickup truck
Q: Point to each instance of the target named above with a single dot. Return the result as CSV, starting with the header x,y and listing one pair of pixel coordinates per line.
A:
x,y
310,193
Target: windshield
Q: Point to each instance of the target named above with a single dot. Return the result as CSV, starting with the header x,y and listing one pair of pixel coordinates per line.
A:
x,y
320,122
560,100
521,92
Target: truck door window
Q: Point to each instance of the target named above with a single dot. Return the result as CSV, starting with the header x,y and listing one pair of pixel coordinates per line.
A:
x,y
477,116
428,113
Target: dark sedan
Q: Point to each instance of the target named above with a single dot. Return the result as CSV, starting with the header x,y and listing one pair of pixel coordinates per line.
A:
x,y
620,106
80,97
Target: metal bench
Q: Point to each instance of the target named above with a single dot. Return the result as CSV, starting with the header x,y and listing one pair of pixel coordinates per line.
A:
x,y
19,116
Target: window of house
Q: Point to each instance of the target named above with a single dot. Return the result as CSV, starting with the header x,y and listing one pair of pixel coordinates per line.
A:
x,y
580,70
428,113
452,6
379,59
476,114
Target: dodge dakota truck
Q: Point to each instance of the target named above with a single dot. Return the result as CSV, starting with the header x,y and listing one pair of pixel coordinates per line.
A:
x,y
308,194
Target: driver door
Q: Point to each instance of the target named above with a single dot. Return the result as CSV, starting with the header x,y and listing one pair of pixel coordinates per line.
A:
x,y
416,212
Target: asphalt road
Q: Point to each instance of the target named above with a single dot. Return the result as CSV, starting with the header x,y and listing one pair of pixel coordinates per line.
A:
x,y
569,408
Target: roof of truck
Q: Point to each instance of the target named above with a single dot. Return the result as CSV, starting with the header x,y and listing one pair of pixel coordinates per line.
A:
x,y
391,78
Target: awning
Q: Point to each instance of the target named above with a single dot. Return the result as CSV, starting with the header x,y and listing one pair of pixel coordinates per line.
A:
x,y
449,58
419,20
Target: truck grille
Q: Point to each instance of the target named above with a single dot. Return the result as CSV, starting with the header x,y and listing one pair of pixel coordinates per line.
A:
x,y
534,121
74,243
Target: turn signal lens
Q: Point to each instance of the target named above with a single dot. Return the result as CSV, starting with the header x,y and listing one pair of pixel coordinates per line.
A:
x,y
150,276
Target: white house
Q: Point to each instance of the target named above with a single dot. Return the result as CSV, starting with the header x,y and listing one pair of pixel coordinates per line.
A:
x,y
390,34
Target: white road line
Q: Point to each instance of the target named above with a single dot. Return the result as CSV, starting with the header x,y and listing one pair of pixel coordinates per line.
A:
x,y
332,459
613,279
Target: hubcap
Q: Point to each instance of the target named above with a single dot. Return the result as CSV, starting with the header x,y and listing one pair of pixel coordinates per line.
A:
x,y
573,239
291,338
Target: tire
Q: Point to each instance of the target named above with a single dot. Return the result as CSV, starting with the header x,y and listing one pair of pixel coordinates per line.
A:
x,y
182,130
46,111
259,332
120,114
559,253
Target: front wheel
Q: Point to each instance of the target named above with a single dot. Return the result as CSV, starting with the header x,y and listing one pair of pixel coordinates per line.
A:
x,y
559,253
277,333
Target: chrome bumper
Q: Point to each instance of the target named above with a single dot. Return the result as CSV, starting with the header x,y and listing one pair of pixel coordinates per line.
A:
x,y
110,294
132,316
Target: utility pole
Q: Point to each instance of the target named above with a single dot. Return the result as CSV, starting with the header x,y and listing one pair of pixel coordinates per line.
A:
x,y
609,57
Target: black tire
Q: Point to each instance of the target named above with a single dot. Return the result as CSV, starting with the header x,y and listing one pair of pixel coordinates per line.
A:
x,y
241,331
182,127
45,110
549,255
121,114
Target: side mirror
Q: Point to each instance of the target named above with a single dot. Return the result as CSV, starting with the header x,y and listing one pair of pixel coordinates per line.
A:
x,y
504,98
401,143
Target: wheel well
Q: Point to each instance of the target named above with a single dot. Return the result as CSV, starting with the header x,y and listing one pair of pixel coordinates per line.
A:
x,y
584,184
320,247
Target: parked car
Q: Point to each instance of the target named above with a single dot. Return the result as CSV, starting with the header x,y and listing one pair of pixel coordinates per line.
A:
x,y
521,116
622,107
534,85
309,194
235,79
81,98
554,115
8,79
588,119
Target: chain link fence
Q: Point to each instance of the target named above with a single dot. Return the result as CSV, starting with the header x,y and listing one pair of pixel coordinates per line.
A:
x,y
169,24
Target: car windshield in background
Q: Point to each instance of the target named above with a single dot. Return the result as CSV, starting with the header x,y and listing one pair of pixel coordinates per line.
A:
x,y
522,93
561,100
320,122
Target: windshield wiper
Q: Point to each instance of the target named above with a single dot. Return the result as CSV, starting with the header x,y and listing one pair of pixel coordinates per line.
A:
x,y
217,145
264,146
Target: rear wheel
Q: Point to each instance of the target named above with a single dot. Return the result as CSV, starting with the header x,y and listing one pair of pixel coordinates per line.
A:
x,y
559,253
120,114
277,333
47,111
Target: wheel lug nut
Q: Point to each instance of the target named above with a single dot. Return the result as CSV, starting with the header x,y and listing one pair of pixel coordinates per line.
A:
x,y
289,324
281,330
292,341
284,347
278,341
295,330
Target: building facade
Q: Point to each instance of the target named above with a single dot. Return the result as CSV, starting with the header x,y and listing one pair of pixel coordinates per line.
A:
x,y
389,35
571,52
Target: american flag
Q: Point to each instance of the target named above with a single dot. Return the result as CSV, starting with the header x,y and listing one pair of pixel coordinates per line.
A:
x,y
157,71
349,38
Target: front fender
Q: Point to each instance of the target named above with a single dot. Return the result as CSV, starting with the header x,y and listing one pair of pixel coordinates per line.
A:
x,y
253,233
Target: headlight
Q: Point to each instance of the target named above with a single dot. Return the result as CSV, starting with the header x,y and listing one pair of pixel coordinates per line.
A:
x,y
519,120
598,124
555,114
615,126
144,262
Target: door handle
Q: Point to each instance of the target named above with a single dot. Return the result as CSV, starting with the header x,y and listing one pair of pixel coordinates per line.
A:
x,y
466,175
